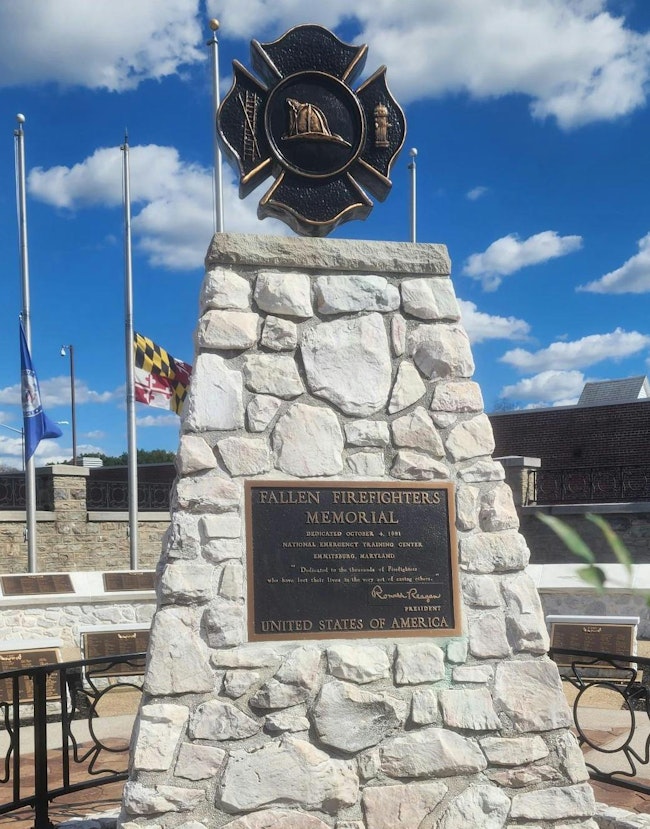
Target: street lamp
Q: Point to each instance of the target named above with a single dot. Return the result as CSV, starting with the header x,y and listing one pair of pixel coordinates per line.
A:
x,y
70,350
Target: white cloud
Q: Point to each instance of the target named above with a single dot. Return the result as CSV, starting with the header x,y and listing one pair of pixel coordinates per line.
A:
x,y
171,200
481,326
574,60
548,388
103,44
158,420
56,392
579,353
633,277
509,254
476,193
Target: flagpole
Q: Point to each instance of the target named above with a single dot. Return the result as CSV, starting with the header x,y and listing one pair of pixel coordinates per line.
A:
x,y
413,153
218,187
132,452
30,467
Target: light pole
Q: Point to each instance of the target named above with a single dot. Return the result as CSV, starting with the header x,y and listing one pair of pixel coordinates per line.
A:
x,y
70,350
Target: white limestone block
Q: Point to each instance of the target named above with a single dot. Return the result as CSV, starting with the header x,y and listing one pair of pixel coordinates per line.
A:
x,y
194,455
227,330
527,627
351,719
351,293
249,655
497,511
400,806
347,362
261,410
408,388
467,506
218,550
276,818
430,299
476,674
457,396
441,351
560,802
302,667
471,439
479,805
488,638
183,539
285,293
415,430
570,757
215,399
424,707
308,441
469,709
199,762
421,662
288,772
231,582
224,289
279,334
178,657
479,470
398,329
225,623
457,651
431,752
217,720
292,721
221,525
274,694
159,728
183,583
274,374
367,464
138,799
238,683
529,693
410,465
367,433
358,663
493,552
207,492
514,751
244,455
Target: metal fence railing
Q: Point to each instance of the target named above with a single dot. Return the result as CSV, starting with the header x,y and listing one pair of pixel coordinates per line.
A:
x,y
80,697
588,485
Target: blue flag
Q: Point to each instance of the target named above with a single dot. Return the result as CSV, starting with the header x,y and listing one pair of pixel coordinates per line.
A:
x,y
36,424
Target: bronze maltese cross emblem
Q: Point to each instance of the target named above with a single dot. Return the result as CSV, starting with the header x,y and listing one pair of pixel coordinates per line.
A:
x,y
323,141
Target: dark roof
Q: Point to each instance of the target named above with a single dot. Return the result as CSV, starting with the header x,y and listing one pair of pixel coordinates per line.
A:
x,y
571,436
604,392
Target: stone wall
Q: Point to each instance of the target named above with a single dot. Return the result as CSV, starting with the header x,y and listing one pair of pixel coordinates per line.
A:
x,y
70,539
346,361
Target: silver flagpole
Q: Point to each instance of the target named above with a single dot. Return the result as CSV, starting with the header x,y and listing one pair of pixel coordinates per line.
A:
x,y
413,153
30,467
132,451
218,188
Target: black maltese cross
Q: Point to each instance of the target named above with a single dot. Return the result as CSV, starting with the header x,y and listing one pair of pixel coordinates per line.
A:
x,y
323,142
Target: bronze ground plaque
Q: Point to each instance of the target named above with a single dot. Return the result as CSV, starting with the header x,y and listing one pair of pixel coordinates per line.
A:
x,y
351,559
12,660
41,584
602,638
130,580
115,643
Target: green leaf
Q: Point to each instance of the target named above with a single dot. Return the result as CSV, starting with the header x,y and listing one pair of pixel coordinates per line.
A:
x,y
569,536
594,576
618,548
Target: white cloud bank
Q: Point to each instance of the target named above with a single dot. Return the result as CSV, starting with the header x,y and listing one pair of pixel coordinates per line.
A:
x,y
633,277
510,254
581,353
574,60
172,200
548,388
481,326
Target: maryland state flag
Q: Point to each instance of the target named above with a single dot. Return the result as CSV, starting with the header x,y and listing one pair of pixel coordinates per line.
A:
x,y
160,380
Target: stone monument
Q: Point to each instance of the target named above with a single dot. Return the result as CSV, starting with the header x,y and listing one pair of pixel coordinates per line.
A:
x,y
346,636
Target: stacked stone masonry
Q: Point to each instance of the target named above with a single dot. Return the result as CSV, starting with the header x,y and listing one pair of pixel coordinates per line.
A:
x,y
347,360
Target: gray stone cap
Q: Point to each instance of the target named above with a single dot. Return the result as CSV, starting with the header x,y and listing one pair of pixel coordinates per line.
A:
x,y
345,255
514,461
591,620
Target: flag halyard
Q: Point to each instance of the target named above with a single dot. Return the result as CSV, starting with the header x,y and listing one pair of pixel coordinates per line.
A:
x,y
160,380
36,424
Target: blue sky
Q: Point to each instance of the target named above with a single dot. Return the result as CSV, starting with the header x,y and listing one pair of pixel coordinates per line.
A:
x,y
531,121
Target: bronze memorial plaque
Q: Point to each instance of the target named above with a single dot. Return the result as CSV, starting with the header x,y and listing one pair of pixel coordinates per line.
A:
x,y
351,559
40,584
129,580
115,643
602,638
11,660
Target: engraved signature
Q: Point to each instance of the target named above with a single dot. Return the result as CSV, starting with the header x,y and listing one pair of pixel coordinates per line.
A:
x,y
412,593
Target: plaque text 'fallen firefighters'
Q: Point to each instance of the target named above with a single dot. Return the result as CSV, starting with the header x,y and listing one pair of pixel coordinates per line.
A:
x,y
351,559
